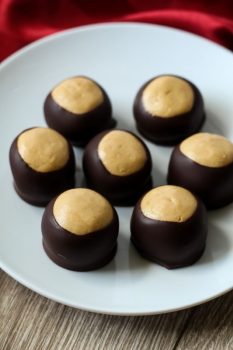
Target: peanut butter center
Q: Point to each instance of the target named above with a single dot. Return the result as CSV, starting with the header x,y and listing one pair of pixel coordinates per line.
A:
x,y
43,149
78,95
168,96
121,153
82,211
206,149
169,203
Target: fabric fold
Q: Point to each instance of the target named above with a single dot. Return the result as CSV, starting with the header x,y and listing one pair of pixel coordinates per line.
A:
x,y
23,21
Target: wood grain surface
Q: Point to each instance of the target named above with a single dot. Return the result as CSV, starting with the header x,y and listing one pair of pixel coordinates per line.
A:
x,y
30,321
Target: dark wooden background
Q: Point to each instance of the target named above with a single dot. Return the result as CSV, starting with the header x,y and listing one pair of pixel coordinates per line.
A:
x,y
30,321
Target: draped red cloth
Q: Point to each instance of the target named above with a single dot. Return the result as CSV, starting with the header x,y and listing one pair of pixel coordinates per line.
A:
x,y
23,21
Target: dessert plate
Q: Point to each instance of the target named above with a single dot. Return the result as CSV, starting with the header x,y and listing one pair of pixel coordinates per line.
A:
x,y
121,57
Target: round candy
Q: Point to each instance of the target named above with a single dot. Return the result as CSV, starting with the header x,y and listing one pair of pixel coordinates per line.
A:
x,y
118,164
167,109
43,165
203,163
169,226
80,229
78,108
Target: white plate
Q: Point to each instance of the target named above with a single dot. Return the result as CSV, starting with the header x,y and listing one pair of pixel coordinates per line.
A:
x,y
120,57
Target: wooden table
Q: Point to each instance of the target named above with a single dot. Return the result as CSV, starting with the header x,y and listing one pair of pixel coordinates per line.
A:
x,y
29,321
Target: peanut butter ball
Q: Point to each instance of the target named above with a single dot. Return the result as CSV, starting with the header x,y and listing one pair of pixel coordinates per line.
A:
x,y
42,163
169,226
167,109
117,164
80,229
203,163
79,108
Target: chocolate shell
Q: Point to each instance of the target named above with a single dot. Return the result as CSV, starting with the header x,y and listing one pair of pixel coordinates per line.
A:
x,y
213,185
168,131
39,188
79,129
119,190
78,253
170,244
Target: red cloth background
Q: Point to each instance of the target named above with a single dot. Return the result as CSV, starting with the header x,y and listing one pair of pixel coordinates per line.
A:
x,y
23,21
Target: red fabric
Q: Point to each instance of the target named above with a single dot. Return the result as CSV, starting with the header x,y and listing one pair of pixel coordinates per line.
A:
x,y
23,21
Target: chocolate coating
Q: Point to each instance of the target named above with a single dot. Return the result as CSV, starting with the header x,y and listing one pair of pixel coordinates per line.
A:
x,y
168,131
119,190
213,185
79,253
170,244
39,188
79,129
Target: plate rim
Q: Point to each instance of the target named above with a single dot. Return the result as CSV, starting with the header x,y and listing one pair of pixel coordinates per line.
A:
x,y
96,26
58,35
49,296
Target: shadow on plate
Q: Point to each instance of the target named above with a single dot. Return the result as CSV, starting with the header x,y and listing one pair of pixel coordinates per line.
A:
x,y
222,214
217,245
159,177
125,123
214,124
126,259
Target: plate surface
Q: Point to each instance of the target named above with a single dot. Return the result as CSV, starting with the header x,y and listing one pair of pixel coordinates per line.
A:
x,y
121,57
